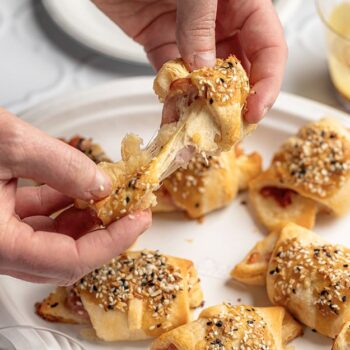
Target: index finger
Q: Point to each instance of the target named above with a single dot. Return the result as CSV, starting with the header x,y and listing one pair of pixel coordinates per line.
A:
x,y
262,40
28,152
263,43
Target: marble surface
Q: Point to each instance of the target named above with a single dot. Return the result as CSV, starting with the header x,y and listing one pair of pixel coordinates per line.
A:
x,y
39,61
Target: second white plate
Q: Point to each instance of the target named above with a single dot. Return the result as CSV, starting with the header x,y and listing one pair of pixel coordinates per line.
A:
x,y
81,20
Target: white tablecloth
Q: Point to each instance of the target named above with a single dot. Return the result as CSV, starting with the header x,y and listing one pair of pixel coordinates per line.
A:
x,y
38,61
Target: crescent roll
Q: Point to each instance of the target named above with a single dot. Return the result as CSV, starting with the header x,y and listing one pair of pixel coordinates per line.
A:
x,y
205,107
233,327
208,183
308,174
342,341
305,274
138,295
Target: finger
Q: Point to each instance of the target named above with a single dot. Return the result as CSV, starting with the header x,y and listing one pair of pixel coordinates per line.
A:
x,y
232,46
49,254
76,222
41,200
195,32
263,42
41,223
161,54
116,238
72,222
28,277
159,44
30,153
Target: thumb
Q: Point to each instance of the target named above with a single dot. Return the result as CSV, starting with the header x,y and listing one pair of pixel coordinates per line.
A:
x,y
195,32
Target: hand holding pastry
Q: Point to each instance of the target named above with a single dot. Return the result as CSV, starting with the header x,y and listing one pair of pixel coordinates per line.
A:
x,y
200,31
34,246
204,108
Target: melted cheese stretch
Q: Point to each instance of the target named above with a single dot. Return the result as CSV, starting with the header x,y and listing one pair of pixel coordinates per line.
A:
x,y
203,126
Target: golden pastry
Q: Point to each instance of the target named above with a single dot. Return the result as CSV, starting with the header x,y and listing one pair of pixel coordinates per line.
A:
x,y
208,104
233,327
342,341
208,183
310,173
138,295
305,274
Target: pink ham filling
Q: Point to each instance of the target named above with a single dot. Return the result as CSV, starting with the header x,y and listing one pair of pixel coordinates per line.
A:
x,y
73,302
172,347
282,196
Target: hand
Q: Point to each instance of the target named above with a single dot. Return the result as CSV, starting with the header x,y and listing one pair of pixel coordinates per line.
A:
x,y
200,30
34,246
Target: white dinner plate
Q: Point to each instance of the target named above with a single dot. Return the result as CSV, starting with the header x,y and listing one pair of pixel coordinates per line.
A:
x,y
107,113
81,20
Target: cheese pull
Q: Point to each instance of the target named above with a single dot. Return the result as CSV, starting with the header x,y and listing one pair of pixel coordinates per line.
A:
x,y
205,107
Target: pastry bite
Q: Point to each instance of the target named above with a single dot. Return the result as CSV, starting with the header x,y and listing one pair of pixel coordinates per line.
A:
x,y
226,326
310,173
205,107
303,273
91,149
342,341
208,183
138,295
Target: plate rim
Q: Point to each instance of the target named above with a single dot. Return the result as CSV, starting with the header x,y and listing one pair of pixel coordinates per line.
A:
x,y
73,31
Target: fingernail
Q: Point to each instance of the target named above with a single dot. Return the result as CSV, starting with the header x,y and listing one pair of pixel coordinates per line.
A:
x,y
204,59
103,185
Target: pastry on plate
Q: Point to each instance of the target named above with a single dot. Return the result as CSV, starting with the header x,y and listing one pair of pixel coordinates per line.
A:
x,y
342,341
138,295
93,150
225,326
208,183
303,273
310,173
204,108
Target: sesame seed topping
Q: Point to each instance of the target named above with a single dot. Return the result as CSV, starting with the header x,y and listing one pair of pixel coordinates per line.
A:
x,y
145,275
222,82
316,159
238,327
295,266
188,183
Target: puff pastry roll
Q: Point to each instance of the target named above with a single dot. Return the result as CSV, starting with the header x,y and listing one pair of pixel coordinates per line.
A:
x,y
233,327
342,341
305,274
138,295
205,107
308,174
208,183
